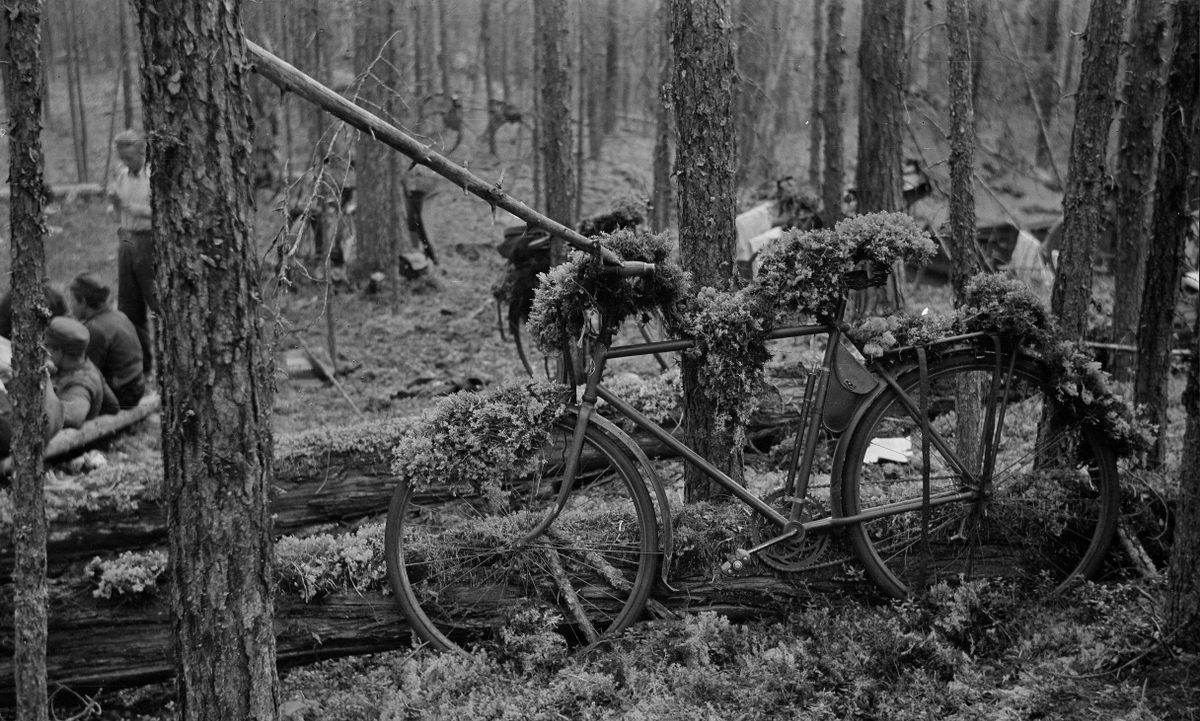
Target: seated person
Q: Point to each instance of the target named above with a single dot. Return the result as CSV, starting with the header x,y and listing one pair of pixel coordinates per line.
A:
x,y
77,381
50,403
54,301
113,344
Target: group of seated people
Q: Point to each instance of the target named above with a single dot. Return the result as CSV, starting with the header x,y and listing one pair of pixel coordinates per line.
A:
x,y
95,359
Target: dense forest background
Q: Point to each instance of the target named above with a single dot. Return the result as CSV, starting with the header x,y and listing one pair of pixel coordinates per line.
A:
x,y
463,76
1026,64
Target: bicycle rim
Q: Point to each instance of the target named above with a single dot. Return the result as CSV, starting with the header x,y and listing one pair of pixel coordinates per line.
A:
x,y
1050,504
461,577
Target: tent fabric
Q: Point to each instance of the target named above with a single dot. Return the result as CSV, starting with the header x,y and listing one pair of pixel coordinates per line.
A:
x,y
750,224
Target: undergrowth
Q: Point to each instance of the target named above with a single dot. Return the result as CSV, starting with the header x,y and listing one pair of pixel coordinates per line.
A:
x,y
969,652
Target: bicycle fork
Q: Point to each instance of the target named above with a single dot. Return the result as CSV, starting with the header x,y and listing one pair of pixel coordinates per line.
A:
x,y
587,406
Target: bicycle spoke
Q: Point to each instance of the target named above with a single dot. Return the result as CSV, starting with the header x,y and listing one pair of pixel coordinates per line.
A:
x,y
1046,503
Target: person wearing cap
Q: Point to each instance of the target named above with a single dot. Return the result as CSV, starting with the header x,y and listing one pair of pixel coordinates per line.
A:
x,y
77,381
51,405
113,344
54,301
129,193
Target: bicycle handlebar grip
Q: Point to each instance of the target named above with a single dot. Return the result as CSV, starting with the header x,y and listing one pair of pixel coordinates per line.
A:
x,y
630,269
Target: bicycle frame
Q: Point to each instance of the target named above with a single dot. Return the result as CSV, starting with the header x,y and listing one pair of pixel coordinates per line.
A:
x,y
810,419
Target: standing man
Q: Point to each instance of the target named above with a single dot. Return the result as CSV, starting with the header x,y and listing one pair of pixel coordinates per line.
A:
x,y
129,193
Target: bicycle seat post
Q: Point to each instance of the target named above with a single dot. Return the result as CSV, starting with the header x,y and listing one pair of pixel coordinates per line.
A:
x,y
814,414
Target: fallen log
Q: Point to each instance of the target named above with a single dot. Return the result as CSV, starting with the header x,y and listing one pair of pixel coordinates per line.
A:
x,y
105,645
323,479
69,441
97,643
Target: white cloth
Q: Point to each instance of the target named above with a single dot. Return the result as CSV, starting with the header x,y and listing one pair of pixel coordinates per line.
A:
x,y
134,192
1029,265
752,223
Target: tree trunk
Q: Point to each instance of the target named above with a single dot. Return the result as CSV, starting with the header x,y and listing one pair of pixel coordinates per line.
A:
x,y
1183,580
663,197
612,68
1084,195
816,98
128,89
312,61
554,127
21,36
962,145
702,87
878,173
75,95
962,200
831,116
1139,137
753,54
420,41
443,51
216,370
1047,92
489,74
1165,259
378,219
880,62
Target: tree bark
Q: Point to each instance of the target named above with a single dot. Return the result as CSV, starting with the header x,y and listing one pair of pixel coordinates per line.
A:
x,y
815,115
831,116
1047,92
378,219
1183,579
663,195
1139,136
880,62
962,202
550,19
702,87
21,36
1084,195
962,146
489,73
753,52
216,371
75,93
612,68
1165,259
127,87
443,50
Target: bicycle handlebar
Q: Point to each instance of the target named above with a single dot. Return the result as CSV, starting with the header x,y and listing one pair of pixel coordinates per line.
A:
x,y
630,269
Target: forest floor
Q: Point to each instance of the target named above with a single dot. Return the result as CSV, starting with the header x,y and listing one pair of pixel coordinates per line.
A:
x,y
966,654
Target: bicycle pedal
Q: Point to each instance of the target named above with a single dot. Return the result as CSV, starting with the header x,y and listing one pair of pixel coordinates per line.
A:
x,y
738,563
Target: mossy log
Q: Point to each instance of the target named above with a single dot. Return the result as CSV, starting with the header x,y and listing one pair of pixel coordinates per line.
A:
x,y
98,643
322,478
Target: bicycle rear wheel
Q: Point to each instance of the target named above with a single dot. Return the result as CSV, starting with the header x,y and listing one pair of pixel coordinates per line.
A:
x,y
461,573
1045,514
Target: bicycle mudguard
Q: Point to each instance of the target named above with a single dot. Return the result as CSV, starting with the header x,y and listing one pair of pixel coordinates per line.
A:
x,y
620,437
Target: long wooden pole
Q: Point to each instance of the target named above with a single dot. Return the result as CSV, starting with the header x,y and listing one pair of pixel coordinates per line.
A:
x,y
289,79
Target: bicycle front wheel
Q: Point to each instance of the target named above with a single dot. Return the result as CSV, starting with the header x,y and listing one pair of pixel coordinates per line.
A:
x,y
1042,506
464,570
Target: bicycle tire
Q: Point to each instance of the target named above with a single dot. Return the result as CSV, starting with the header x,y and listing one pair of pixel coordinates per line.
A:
x,y
1045,523
460,581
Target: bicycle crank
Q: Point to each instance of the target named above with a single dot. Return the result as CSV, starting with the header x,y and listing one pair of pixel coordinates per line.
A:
x,y
791,554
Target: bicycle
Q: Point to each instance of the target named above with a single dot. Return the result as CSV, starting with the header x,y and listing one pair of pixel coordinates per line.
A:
x,y
440,118
579,543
